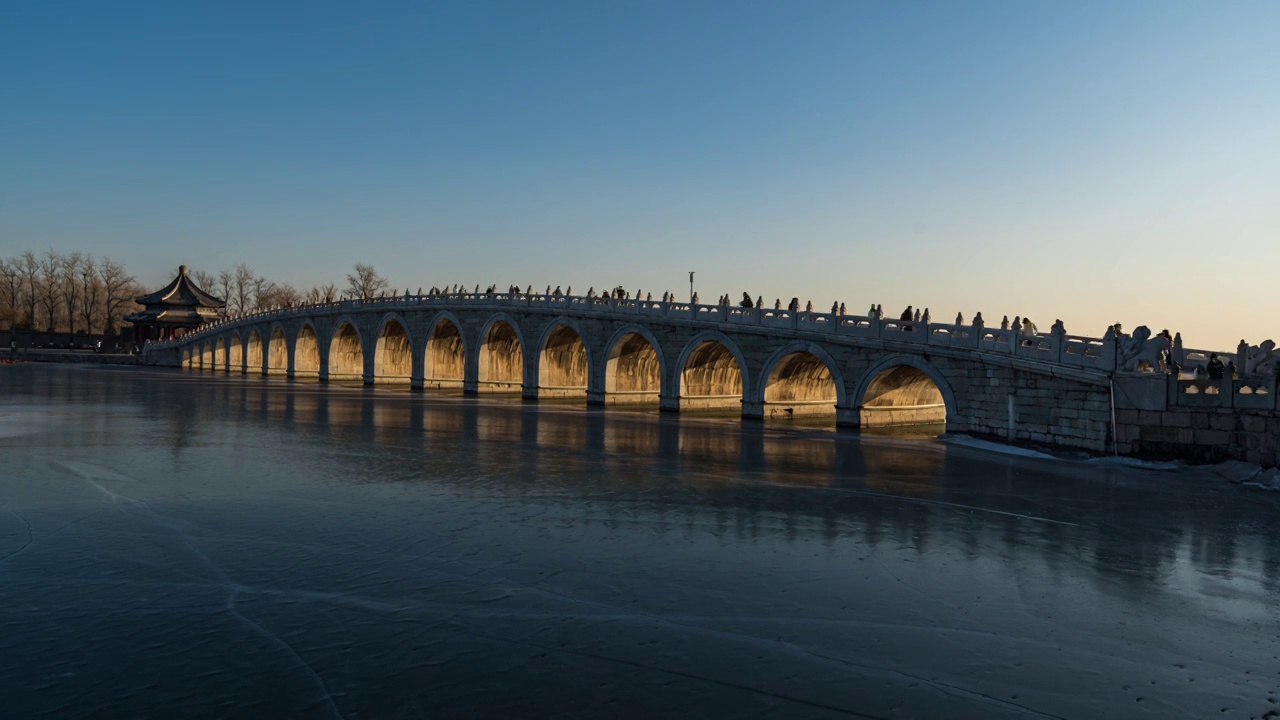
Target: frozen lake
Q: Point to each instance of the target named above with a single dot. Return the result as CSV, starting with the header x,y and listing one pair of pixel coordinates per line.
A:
x,y
177,545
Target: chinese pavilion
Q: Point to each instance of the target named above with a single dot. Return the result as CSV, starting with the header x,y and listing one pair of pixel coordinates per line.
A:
x,y
174,310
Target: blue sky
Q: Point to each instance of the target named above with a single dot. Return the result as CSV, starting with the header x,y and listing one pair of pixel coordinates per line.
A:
x,y
1086,161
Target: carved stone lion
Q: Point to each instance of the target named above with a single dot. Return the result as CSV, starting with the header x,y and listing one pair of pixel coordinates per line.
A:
x,y
1261,359
1141,349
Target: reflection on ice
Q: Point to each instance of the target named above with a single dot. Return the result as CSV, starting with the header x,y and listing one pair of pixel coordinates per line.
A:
x,y
175,546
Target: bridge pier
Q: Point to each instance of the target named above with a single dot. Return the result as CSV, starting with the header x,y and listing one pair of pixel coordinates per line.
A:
x,y
470,387
669,404
752,410
848,417
595,397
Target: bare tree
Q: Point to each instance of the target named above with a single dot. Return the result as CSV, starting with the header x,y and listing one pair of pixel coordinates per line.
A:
x,y
29,268
244,285
50,271
284,295
326,293
263,293
365,282
69,288
204,280
225,282
118,291
11,289
90,293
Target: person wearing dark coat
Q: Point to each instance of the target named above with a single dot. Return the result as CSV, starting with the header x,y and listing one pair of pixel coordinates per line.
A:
x,y
1215,368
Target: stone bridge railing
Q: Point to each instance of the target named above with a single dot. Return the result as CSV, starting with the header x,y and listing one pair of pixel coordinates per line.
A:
x,y
1055,347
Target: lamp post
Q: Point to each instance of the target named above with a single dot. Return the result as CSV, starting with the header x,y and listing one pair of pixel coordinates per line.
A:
x,y
690,286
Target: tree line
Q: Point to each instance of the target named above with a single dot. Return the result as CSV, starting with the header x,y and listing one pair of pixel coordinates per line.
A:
x,y
76,292
58,292
245,291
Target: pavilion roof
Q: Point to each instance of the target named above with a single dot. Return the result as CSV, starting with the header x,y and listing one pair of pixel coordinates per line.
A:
x,y
182,292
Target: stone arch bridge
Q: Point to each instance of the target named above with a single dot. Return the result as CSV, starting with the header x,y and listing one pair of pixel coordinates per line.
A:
x,y
866,371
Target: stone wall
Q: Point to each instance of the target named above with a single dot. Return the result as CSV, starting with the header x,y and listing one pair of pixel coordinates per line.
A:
x,y
1199,434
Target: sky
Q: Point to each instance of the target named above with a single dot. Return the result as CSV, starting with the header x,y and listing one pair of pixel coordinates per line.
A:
x,y
1096,162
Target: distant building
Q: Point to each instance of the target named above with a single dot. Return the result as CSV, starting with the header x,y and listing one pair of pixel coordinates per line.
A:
x,y
171,312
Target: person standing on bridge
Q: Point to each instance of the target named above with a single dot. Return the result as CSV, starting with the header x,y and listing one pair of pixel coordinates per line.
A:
x,y
907,315
1215,368
1029,331
747,301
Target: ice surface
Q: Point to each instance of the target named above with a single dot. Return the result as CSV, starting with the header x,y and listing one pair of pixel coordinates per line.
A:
x,y
176,545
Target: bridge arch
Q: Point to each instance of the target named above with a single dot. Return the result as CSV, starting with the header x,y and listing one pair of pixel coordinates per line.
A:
x,y
186,358
253,352
711,373
393,351
220,354
277,351
902,389
444,361
306,352
564,360
801,378
500,356
206,356
346,351
634,366
235,353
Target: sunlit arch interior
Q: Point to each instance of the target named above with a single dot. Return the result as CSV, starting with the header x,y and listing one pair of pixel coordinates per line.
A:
x,y
306,353
235,354
800,384
902,395
253,353
206,356
562,364
711,378
445,358
346,356
392,354
220,354
633,373
501,366
277,353
186,358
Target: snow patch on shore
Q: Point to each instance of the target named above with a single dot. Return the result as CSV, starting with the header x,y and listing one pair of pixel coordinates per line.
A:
x,y
995,447
1128,462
